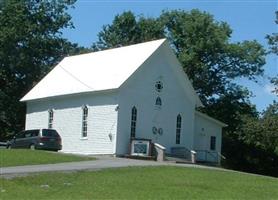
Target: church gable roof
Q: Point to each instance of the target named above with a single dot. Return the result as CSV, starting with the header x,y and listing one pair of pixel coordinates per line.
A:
x,y
102,70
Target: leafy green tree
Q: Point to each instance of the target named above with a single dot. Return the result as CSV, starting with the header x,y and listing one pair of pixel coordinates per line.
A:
x,y
260,135
30,44
126,30
210,60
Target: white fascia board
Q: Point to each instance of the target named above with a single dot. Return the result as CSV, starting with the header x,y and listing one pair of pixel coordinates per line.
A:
x,y
98,92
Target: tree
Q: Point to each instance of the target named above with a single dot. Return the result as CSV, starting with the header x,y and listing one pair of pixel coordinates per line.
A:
x,y
261,136
126,30
210,60
30,44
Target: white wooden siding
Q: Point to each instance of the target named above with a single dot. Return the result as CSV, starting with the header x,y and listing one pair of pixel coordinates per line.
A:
x,y
102,121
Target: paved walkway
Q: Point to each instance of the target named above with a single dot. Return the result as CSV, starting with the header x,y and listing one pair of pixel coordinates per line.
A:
x,y
100,163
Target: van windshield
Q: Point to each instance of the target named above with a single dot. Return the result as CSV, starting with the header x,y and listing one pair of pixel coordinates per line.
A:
x,y
49,133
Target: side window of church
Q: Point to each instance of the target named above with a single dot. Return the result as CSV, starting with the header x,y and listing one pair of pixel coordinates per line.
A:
x,y
84,121
212,143
50,118
133,122
178,129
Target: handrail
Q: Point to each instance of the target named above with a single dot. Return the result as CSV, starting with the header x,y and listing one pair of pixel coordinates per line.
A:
x,y
221,156
183,152
214,155
186,153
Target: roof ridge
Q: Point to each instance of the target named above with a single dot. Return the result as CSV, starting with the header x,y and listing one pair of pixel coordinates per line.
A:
x,y
115,48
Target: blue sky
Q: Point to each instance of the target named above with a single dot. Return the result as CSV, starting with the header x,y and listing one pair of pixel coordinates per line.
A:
x,y
249,20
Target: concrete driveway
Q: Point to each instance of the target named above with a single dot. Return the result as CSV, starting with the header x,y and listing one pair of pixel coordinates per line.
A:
x,y
102,162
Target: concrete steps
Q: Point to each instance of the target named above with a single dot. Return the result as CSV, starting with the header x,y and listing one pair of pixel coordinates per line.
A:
x,y
177,160
140,157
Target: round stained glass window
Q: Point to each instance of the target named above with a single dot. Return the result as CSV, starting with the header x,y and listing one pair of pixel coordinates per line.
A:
x,y
158,86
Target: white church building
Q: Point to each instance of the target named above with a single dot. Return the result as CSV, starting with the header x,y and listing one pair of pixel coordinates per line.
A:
x,y
99,101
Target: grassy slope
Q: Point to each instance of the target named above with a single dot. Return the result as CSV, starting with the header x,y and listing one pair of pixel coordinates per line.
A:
x,y
142,183
16,157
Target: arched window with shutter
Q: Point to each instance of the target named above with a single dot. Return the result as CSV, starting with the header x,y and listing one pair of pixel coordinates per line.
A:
x,y
158,102
133,122
50,118
178,129
84,121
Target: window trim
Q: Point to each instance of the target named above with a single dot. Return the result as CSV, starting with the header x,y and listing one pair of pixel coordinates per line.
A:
x,y
84,122
133,122
178,128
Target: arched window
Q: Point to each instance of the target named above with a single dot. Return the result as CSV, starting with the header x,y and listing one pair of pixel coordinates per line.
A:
x,y
133,122
84,121
50,118
158,101
178,129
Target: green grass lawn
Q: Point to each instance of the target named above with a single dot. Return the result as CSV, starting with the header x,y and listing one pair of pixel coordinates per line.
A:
x,y
16,157
141,183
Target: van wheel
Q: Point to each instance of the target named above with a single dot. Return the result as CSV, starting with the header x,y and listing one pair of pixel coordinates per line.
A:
x,y
32,147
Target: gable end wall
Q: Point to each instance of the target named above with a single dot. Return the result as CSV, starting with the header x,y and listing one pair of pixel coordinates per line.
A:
x,y
139,90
